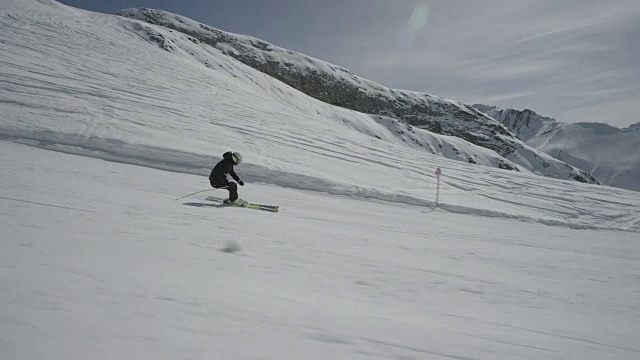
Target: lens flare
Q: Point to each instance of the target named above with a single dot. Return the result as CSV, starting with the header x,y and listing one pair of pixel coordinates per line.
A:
x,y
416,22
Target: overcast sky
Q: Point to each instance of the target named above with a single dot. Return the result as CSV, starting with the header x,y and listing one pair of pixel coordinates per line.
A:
x,y
574,60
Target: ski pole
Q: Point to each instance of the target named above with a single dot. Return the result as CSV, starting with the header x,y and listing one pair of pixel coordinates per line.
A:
x,y
197,192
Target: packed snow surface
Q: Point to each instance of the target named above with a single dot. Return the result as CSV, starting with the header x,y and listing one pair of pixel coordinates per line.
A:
x,y
99,261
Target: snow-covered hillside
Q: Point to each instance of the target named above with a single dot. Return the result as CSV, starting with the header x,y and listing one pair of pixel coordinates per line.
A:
x,y
99,261
338,86
116,63
609,153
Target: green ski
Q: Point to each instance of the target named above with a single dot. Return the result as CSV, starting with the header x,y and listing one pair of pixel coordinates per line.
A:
x,y
263,207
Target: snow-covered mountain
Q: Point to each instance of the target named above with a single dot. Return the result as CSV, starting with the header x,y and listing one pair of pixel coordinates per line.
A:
x,y
609,153
107,86
524,124
94,108
338,86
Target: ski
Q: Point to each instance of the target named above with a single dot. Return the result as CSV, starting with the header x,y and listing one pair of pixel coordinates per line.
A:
x,y
263,207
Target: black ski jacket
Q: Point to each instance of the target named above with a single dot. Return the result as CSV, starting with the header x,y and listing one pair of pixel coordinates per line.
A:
x,y
222,168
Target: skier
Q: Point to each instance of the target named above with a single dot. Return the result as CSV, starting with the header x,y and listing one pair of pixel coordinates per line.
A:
x,y
219,180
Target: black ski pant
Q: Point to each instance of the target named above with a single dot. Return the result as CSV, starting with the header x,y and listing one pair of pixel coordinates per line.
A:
x,y
226,184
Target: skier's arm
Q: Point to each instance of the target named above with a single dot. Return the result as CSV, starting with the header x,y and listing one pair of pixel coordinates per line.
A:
x,y
234,175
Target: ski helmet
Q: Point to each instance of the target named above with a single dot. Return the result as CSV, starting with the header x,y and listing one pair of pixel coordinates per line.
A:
x,y
236,157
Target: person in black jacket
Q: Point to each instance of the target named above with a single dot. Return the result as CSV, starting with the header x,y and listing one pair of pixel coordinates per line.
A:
x,y
218,177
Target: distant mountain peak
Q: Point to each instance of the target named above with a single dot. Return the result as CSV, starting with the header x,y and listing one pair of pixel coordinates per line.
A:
x,y
634,127
609,153
525,124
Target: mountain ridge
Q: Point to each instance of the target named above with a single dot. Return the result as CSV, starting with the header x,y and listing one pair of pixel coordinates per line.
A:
x,y
607,152
338,86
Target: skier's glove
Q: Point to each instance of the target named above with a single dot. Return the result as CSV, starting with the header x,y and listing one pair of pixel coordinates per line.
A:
x,y
241,183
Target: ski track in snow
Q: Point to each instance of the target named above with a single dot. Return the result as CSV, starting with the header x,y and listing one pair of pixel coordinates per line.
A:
x,y
571,208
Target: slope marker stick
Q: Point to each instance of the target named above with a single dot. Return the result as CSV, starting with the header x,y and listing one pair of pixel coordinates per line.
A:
x,y
438,173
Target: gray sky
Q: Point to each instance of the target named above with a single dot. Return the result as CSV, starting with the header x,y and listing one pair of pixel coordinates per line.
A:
x,y
575,60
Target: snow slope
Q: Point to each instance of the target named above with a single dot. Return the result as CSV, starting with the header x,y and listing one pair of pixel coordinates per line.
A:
x,y
98,260
338,86
609,153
